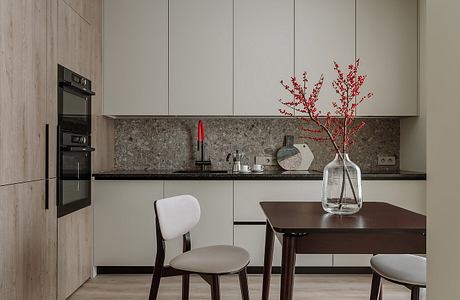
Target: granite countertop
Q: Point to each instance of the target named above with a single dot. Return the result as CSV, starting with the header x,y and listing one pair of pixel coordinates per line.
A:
x,y
266,175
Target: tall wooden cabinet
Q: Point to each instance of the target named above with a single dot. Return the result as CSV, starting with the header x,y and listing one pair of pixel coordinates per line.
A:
x,y
28,242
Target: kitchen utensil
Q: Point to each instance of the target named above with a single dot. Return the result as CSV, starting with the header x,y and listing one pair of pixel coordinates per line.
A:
x,y
288,156
237,157
307,156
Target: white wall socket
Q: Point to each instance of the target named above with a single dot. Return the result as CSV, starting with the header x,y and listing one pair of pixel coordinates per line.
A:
x,y
386,160
266,160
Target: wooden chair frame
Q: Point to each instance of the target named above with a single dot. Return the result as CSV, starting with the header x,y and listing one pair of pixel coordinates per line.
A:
x,y
160,270
376,288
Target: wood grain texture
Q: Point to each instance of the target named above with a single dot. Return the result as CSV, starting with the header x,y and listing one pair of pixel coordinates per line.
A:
x,y
28,247
307,287
87,9
74,40
74,251
22,90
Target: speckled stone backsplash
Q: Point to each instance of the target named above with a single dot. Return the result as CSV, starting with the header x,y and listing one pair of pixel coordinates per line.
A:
x,y
170,143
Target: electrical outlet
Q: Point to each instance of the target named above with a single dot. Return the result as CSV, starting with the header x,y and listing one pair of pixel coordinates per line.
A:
x,y
266,160
386,160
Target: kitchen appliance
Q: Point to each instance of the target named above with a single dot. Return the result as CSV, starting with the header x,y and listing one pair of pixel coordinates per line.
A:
x,y
237,157
74,141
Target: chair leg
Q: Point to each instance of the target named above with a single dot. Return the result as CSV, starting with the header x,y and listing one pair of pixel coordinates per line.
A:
x,y
376,286
155,282
185,287
215,289
415,293
244,284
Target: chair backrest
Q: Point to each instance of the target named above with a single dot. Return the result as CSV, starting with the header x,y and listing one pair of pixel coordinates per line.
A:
x,y
177,215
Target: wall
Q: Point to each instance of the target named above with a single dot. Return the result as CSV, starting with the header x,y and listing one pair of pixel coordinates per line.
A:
x,y
443,140
170,143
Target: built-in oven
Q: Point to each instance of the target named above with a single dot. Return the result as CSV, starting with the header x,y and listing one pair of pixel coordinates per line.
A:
x,y
74,101
74,142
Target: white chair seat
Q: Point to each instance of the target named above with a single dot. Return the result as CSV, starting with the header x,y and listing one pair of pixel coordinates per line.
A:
x,y
220,259
404,268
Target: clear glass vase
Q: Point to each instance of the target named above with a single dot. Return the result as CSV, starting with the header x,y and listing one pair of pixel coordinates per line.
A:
x,y
342,192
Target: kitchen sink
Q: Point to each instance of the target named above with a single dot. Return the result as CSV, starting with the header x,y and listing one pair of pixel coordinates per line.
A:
x,y
200,172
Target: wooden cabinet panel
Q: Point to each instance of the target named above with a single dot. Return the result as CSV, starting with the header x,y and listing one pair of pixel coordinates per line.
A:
x,y
387,43
74,40
124,225
264,54
75,236
136,57
252,238
28,247
248,195
85,9
22,90
201,57
324,32
216,200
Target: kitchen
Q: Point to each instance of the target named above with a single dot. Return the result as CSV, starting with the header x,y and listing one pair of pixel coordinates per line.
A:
x,y
110,105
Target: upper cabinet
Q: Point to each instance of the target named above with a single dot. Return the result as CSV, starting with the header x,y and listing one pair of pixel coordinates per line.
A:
x,y
226,57
201,57
264,54
324,33
135,57
387,44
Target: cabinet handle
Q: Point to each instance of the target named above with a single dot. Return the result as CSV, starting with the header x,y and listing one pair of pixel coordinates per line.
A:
x,y
47,158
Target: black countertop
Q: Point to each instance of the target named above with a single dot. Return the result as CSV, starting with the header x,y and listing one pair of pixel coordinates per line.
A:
x,y
266,175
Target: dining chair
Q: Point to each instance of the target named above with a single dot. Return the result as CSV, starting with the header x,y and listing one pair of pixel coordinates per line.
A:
x,y
404,269
175,217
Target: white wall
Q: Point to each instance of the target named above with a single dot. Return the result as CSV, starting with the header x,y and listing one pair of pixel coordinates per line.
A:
x,y
443,107
413,130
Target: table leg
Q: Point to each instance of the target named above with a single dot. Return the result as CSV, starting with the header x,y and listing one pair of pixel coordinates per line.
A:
x,y
268,260
287,267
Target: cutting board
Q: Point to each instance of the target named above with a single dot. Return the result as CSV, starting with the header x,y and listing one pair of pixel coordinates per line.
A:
x,y
288,156
307,156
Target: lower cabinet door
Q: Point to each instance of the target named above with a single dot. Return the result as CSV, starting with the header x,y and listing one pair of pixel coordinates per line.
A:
x,y
252,238
28,241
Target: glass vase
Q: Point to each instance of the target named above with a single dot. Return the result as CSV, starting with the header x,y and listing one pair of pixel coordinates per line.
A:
x,y
342,191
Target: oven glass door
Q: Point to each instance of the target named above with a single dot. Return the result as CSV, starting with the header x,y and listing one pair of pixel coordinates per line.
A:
x,y
74,110
75,180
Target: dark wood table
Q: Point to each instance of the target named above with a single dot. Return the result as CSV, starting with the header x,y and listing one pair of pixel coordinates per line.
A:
x,y
305,228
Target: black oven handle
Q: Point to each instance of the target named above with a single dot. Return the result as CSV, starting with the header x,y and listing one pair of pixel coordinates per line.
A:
x,y
76,88
78,149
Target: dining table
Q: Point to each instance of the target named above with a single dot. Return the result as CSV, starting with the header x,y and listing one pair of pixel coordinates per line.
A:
x,y
305,228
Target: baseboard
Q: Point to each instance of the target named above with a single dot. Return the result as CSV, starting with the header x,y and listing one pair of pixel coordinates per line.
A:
x,y
251,270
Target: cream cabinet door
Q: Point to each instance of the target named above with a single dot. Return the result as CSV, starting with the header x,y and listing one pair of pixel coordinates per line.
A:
x,y
201,57
324,33
264,54
124,223
216,202
135,57
387,44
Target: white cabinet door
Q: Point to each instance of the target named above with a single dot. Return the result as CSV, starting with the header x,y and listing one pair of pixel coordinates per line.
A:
x,y
324,32
252,238
264,54
407,194
136,57
201,57
249,194
124,223
216,202
387,43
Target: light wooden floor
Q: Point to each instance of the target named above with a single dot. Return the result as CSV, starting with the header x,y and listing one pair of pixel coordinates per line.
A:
x,y
307,287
